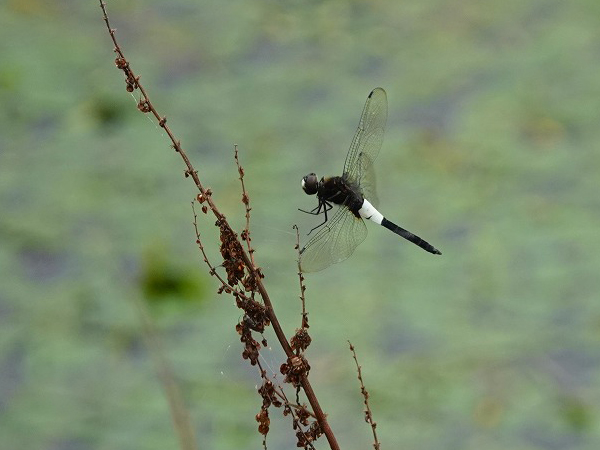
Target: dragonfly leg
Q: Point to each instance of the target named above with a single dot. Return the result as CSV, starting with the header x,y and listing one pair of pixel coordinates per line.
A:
x,y
326,207
315,211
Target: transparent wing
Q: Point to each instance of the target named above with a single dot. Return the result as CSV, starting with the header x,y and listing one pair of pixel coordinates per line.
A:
x,y
368,185
334,241
367,141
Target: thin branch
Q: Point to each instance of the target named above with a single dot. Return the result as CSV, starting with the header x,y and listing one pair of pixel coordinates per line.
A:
x,y
297,422
146,106
365,394
302,286
246,202
179,412
212,269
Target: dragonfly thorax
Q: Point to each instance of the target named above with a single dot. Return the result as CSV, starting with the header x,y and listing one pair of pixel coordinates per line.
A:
x,y
310,184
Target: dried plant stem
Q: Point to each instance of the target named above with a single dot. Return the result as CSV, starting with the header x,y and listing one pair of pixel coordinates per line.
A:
x,y
180,416
291,406
212,269
365,394
146,106
246,202
302,286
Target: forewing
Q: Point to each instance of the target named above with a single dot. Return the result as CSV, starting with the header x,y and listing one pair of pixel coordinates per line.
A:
x,y
367,141
334,241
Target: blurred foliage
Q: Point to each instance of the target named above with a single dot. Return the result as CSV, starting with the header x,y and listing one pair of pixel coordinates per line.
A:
x,y
491,154
165,281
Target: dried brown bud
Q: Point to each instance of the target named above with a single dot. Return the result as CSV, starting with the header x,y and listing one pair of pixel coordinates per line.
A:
x,y
296,362
263,419
301,340
144,106
121,62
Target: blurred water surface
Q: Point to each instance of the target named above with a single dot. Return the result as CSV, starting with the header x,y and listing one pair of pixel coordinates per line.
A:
x,y
491,153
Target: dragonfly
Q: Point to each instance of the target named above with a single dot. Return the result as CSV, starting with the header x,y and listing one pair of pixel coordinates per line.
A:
x,y
354,194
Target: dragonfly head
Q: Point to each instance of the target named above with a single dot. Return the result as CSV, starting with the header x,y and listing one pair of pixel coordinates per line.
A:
x,y
310,184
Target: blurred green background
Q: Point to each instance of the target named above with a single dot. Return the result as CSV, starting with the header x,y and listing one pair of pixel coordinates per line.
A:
x,y
491,154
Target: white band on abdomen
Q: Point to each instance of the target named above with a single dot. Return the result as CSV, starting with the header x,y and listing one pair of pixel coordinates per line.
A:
x,y
368,211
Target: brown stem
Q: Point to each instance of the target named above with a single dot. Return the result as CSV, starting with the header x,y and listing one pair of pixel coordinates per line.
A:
x,y
176,144
301,278
365,394
308,390
246,201
180,416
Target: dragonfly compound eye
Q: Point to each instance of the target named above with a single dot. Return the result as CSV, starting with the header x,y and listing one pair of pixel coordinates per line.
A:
x,y
310,184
